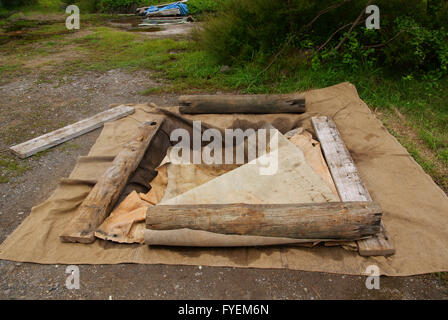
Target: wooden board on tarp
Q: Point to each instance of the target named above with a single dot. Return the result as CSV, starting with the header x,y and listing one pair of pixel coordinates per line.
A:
x,y
101,199
61,135
348,181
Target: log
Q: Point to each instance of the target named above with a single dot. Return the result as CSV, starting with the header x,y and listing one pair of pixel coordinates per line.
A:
x,y
260,103
74,130
348,182
332,220
101,199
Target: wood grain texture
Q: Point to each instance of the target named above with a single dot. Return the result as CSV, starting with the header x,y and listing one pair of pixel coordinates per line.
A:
x,y
258,103
348,181
378,245
61,135
101,199
333,220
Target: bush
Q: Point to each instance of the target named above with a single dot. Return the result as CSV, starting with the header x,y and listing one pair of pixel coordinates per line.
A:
x,y
124,6
10,4
412,38
194,6
203,6
418,48
85,6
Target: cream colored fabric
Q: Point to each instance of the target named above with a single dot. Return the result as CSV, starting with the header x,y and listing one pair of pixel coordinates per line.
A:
x,y
415,208
290,180
184,177
313,156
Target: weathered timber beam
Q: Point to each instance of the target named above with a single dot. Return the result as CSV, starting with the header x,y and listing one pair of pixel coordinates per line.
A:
x,y
348,182
259,103
51,139
101,199
335,220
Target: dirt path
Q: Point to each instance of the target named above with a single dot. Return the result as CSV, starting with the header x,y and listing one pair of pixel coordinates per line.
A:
x,y
33,105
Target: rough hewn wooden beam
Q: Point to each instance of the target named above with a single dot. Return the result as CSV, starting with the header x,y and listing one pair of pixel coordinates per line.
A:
x,y
61,135
333,220
101,199
257,103
348,182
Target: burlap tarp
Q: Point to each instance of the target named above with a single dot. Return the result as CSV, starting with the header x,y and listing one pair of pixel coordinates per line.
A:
x,y
415,208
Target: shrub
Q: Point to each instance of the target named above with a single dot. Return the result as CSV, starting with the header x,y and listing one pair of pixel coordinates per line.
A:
x,y
418,48
17,3
194,6
203,6
412,37
122,5
89,6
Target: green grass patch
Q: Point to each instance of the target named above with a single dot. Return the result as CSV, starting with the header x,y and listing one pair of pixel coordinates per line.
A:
x,y
9,68
49,29
41,6
10,167
442,276
110,49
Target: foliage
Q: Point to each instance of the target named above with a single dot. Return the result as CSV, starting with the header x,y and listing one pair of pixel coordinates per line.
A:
x,y
194,6
412,38
9,4
121,5
419,48
203,6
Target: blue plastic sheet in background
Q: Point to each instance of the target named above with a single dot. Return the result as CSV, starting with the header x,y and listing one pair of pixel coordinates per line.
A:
x,y
181,6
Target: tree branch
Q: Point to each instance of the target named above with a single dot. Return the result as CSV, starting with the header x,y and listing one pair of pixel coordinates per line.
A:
x,y
353,26
322,12
386,43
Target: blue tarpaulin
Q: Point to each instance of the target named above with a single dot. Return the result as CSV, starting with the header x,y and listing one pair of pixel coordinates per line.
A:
x,y
178,5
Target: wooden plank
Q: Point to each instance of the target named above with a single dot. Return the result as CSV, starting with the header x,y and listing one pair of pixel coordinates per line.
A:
x,y
257,103
101,199
379,245
331,220
348,182
77,129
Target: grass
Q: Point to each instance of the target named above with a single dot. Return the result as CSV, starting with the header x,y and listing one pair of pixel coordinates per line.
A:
x,y
111,49
41,7
10,167
442,276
